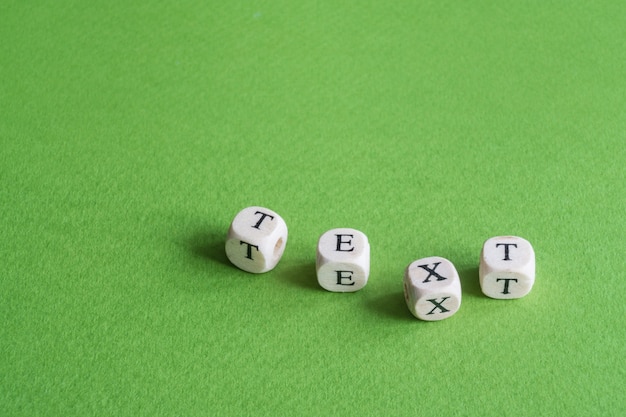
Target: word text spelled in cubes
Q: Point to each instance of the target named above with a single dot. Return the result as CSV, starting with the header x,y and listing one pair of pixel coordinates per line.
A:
x,y
432,288
343,260
507,267
256,239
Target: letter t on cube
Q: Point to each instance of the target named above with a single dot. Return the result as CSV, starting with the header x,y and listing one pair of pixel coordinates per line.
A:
x,y
507,267
256,239
343,260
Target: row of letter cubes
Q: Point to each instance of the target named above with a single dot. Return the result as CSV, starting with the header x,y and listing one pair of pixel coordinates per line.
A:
x,y
432,287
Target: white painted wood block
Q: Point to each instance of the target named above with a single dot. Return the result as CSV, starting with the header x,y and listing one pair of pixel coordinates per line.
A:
x,y
432,288
256,239
343,260
507,267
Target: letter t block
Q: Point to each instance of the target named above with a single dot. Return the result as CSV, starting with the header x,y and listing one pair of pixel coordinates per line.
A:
x,y
507,267
343,260
256,239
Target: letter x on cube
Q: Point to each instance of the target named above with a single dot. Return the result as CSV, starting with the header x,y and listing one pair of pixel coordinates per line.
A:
x,y
432,288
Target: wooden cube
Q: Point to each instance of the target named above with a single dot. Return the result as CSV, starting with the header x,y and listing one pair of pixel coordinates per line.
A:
x,y
256,239
432,288
507,267
343,260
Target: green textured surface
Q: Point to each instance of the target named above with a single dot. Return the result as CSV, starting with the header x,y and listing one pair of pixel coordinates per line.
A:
x,y
131,134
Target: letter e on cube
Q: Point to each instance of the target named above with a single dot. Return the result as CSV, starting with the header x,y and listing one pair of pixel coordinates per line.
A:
x,y
343,260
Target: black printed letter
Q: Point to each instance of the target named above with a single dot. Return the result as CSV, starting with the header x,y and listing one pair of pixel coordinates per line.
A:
x,y
506,249
348,277
340,242
506,284
438,305
432,272
250,246
263,216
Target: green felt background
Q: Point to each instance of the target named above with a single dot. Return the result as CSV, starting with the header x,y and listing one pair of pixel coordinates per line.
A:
x,y
132,132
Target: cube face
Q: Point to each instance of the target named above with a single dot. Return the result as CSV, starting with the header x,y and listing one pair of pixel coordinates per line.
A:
x,y
343,260
256,239
507,267
432,288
